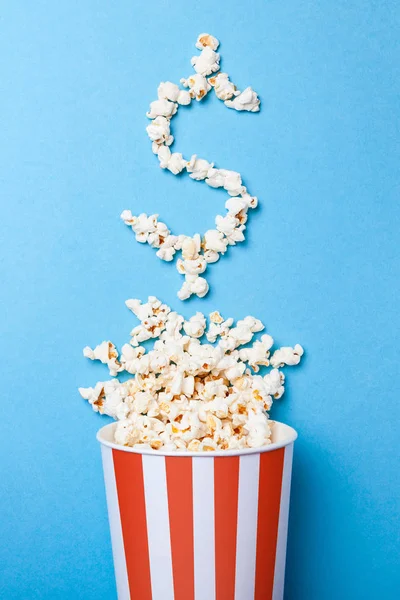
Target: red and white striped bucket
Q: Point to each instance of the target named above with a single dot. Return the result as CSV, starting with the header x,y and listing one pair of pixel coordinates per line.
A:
x,y
199,526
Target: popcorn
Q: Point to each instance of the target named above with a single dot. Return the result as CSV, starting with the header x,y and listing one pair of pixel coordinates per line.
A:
x,y
162,108
108,398
191,267
198,168
174,162
274,381
258,353
196,325
224,88
105,353
159,131
287,356
95,396
215,317
230,229
147,228
246,100
258,430
153,316
242,333
185,395
229,180
197,286
218,328
167,249
215,241
186,291
205,40
153,307
173,326
207,62
184,98
126,433
198,86
170,91
130,358
236,205
211,256
191,247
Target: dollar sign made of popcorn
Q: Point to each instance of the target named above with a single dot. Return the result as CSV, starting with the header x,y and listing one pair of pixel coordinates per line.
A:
x,y
197,251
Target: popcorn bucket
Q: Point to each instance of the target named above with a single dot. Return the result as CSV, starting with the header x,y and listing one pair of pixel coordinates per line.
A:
x,y
199,526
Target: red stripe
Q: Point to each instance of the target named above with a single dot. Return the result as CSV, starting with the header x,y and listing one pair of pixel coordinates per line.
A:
x,y
180,507
269,498
226,492
130,487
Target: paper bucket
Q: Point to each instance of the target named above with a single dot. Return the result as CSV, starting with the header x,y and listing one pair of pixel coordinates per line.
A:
x,y
199,526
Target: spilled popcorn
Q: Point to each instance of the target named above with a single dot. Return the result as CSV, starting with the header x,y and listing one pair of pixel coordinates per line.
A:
x,y
186,393
200,250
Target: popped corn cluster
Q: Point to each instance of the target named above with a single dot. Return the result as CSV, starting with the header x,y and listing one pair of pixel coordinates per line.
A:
x,y
189,394
197,251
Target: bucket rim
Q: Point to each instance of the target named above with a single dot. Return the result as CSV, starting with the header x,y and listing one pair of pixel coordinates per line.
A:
x,y
285,433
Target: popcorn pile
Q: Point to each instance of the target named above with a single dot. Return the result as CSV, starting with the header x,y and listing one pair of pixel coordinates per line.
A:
x,y
186,394
197,251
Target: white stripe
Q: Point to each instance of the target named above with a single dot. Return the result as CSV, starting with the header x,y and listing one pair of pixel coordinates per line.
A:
x,y
155,488
249,471
204,539
117,541
280,560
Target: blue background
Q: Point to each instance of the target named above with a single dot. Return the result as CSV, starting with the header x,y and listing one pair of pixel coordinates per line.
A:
x,y
320,264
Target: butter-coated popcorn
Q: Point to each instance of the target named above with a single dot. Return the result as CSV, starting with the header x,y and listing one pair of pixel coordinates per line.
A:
x,y
246,100
187,395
